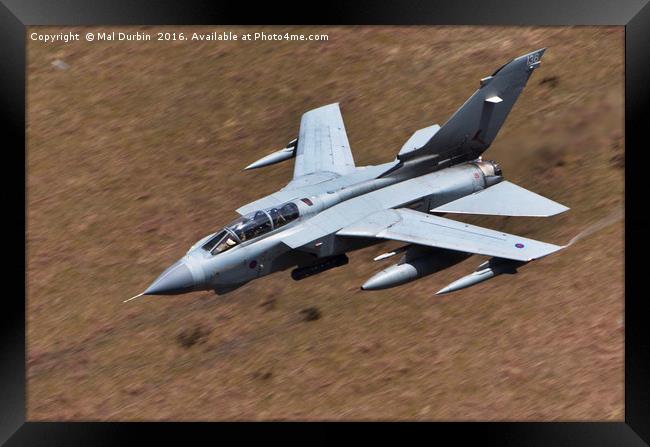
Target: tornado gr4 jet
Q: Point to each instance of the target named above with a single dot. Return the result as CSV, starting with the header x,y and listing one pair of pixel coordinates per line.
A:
x,y
332,207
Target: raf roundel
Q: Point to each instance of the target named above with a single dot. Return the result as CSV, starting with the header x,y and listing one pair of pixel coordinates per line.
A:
x,y
519,245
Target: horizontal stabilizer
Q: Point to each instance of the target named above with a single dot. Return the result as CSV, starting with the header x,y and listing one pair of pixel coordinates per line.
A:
x,y
419,139
504,199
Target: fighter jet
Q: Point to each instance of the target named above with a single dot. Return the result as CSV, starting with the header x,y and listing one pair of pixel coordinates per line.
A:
x,y
331,207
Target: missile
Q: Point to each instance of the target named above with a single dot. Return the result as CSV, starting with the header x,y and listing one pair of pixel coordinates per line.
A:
x,y
390,254
489,269
467,281
414,265
276,157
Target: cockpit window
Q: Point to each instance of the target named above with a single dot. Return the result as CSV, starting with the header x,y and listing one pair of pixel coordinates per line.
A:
x,y
213,241
224,244
251,226
220,242
283,215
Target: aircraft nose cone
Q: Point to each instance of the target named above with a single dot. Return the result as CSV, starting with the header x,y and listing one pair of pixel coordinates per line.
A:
x,y
176,279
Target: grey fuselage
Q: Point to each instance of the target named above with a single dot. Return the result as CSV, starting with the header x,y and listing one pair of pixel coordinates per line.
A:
x,y
307,224
312,238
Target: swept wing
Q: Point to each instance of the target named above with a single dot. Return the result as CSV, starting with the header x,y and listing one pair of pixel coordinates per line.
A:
x,y
414,227
322,157
323,146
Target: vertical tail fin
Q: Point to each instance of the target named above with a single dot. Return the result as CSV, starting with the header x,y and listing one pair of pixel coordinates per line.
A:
x,y
471,130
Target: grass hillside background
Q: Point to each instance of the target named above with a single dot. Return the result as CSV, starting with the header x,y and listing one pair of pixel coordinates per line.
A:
x,y
135,151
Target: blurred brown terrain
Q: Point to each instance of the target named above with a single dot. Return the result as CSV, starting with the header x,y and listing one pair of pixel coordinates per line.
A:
x,y
135,151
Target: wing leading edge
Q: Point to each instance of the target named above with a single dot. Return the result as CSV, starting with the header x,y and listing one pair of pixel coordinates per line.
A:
x,y
410,226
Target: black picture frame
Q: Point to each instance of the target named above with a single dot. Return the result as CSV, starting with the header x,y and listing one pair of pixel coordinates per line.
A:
x,y
15,15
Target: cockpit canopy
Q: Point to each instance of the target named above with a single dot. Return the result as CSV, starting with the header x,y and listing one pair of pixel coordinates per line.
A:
x,y
251,226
